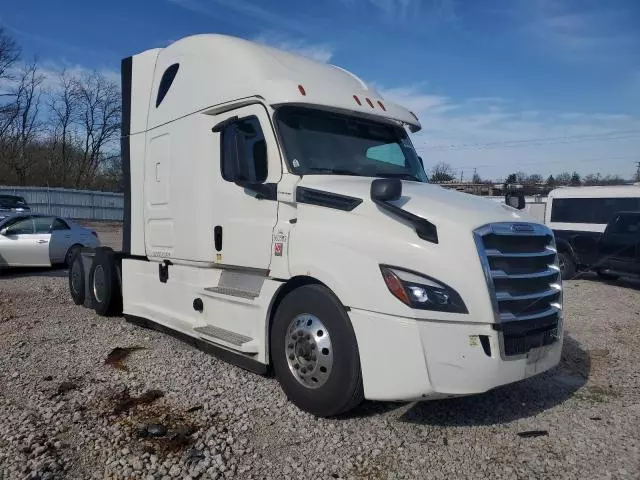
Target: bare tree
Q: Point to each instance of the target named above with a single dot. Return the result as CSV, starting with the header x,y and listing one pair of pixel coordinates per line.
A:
x,y
24,125
63,104
563,178
442,172
9,54
99,120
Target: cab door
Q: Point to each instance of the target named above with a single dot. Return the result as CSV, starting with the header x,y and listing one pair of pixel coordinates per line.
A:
x,y
21,246
245,207
620,243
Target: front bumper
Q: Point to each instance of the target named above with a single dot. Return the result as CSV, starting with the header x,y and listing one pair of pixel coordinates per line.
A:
x,y
409,359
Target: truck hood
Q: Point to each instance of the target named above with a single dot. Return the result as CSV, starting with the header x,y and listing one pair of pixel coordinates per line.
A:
x,y
431,202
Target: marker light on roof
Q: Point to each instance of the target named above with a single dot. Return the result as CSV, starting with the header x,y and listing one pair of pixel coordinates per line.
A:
x,y
370,103
355,97
381,105
301,88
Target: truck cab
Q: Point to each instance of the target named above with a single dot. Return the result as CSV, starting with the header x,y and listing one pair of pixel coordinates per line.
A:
x,y
277,214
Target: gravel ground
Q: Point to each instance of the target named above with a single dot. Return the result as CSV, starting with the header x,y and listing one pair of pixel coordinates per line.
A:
x,y
66,413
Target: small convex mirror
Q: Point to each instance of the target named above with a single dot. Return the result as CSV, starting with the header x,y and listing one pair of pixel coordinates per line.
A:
x,y
515,200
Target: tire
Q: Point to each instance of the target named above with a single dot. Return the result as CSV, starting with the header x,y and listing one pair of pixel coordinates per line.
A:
x,y
72,252
327,330
567,266
76,279
607,276
104,289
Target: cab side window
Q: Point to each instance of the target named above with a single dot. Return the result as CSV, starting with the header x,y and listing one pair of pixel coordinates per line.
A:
x,y
243,152
626,225
23,226
42,224
59,224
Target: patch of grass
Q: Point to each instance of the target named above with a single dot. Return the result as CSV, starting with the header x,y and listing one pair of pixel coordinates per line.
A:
x,y
596,394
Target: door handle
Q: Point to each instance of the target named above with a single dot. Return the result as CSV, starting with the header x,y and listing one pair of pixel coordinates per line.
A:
x,y
67,236
43,241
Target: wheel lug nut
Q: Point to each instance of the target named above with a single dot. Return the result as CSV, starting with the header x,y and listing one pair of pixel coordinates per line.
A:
x,y
304,370
313,346
292,356
290,345
296,366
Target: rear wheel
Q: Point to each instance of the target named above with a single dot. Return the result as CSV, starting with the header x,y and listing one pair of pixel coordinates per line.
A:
x,y
314,352
567,266
104,288
72,252
76,279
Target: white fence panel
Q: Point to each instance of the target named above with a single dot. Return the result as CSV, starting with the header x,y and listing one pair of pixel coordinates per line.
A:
x,y
63,202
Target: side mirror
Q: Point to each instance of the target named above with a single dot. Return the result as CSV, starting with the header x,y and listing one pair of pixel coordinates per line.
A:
x,y
4,231
421,162
515,200
386,189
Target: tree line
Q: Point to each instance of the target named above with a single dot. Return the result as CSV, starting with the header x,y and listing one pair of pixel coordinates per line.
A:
x,y
444,173
57,129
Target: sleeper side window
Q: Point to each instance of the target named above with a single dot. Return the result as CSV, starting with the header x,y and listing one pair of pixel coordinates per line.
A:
x,y
243,152
165,82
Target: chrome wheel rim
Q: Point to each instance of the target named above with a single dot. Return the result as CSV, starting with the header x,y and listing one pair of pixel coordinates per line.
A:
x,y
76,277
98,283
308,350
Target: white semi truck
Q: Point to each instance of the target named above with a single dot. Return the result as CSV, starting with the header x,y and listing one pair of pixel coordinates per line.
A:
x,y
276,214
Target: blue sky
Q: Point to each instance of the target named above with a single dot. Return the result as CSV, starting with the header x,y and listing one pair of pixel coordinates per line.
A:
x,y
500,85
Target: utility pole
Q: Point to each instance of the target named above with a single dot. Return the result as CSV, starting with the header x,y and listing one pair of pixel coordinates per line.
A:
x,y
638,171
461,174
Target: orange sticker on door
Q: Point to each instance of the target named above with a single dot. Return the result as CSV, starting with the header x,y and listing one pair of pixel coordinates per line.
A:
x,y
277,249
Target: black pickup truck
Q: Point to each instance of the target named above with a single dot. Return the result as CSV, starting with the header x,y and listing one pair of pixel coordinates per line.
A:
x,y
611,254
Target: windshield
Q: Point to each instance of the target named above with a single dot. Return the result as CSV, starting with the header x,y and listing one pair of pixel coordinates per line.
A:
x,y
9,201
324,143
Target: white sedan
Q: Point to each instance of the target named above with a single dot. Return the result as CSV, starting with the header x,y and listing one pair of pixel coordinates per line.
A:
x,y
41,241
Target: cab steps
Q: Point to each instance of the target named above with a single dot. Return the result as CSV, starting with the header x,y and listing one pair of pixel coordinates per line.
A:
x,y
230,339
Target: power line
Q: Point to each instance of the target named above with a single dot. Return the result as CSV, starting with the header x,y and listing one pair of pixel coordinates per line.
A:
x,y
546,162
543,141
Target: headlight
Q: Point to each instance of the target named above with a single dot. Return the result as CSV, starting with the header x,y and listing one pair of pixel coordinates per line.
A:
x,y
419,291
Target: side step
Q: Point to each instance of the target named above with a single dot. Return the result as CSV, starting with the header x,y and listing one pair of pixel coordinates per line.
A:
x,y
242,361
234,340
233,292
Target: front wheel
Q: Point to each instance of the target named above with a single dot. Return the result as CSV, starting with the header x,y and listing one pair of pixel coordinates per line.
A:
x,y
314,352
567,266
604,275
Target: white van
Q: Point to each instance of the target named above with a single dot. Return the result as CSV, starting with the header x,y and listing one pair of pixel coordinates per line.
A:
x,y
276,213
580,212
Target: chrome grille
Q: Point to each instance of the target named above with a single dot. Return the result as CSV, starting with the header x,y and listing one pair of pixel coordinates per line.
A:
x,y
521,269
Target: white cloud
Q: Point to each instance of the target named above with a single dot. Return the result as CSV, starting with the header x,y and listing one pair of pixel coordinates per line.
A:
x,y
580,28
497,137
415,100
238,11
321,52
394,10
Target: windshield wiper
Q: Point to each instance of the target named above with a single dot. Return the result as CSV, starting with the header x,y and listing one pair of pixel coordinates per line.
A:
x,y
334,171
404,176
